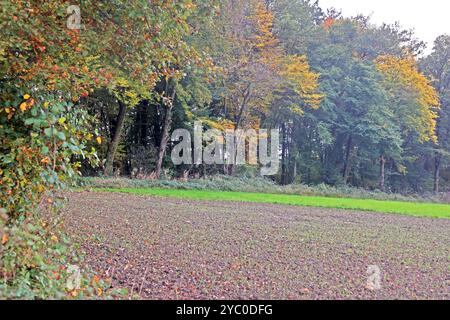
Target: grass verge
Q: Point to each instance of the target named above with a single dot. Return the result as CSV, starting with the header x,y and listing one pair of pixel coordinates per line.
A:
x,y
431,210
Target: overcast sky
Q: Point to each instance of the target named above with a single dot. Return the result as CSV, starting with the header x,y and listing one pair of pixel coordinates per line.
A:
x,y
429,18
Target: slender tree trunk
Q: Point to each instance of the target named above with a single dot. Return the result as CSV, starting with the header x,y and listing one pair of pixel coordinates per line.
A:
x,y
437,172
284,155
348,158
165,135
382,173
238,118
112,147
245,99
294,175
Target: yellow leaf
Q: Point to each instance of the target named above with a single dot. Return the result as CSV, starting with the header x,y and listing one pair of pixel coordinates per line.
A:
x,y
99,140
26,97
406,74
23,106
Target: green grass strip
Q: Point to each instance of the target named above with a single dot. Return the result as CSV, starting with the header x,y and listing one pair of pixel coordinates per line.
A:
x,y
432,210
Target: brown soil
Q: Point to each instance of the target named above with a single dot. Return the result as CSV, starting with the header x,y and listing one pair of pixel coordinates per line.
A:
x,y
164,248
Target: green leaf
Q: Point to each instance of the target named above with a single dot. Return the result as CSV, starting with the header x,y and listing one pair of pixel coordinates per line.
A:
x,y
61,136
48,132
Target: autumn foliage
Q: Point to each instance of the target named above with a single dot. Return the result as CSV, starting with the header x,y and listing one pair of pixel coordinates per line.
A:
x,y
404,75
349,99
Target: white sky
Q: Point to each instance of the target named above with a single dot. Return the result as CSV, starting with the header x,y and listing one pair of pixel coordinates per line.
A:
x,y
429,18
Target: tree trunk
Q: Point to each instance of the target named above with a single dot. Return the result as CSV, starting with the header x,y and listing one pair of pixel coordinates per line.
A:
x,y
284,155
112,147
294,175
382,173
226,172
348,158
437,172
245,99
165,135
238,118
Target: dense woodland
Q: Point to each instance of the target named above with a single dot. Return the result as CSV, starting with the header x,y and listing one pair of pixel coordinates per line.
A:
x,y
355,103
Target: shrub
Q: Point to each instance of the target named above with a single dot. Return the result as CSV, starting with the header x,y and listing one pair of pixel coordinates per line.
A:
x,y
39,140
253,184
42,129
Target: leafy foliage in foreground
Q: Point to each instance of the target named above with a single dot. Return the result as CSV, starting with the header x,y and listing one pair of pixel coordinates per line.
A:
x,y
41,131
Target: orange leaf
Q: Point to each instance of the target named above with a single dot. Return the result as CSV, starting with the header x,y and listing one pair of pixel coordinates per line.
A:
x,y
328,23
96,279
5,239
